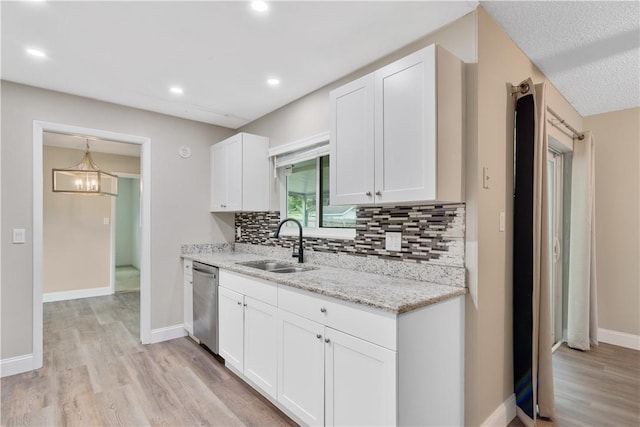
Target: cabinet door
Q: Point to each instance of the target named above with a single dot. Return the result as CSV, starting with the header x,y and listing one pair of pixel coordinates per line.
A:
x,y
301,367
351,143
261,344
360,382
405,129
219,176
231,324
234,173
188,303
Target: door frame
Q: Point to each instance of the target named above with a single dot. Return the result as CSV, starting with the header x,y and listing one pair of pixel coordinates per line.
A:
x,y
39,127
112,261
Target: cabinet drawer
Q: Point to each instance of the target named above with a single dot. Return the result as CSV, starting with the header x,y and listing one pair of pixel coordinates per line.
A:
x,y
187,266
259,289
375,326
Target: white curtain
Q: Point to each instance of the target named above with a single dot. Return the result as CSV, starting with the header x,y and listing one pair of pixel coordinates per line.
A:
x,y
542,328
582,322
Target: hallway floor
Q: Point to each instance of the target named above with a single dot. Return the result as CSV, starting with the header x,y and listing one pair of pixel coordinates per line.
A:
x,y
97,373
127,279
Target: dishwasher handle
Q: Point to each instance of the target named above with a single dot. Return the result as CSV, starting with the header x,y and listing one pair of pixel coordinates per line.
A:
x,y
204,269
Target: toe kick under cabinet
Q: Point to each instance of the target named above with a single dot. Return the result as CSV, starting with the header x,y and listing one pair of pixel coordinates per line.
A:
x,y
338,363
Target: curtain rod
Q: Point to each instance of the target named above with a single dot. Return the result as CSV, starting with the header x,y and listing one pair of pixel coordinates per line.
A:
x,y
524,88
576,134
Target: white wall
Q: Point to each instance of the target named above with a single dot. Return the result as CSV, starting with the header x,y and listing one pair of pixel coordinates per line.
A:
x,y
179,197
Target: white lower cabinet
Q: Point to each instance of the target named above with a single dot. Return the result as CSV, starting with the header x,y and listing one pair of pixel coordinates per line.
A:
x,y
327,377
187,307
260,344
231,329
248,337
360,382
334,363
301,367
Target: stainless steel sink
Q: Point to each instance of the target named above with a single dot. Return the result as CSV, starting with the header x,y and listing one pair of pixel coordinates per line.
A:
x,y
276,266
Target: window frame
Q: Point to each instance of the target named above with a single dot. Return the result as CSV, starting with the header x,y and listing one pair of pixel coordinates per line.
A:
x,y
313,143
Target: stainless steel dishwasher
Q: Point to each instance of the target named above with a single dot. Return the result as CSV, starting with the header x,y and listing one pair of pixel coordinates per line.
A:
x,y
205,305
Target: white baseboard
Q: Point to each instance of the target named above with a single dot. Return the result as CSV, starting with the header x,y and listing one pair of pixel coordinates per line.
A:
x,y
80,293
16,365
621,339
503,414
168,333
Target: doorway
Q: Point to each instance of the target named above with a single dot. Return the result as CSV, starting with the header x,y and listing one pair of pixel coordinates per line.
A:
x,y
126,243
39,128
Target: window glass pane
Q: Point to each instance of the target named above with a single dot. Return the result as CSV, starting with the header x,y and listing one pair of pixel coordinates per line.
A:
x,y
301,193
333,216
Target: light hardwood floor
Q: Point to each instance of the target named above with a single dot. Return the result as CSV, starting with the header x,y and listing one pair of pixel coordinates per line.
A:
x,y
96,373
597,388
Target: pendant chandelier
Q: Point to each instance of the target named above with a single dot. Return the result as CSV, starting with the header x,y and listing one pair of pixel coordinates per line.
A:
x,y
85,178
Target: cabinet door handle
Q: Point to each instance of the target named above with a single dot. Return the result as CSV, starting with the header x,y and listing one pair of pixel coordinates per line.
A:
x,y
323,310
368,193
245,304
239,303
378,193
327,340
318,336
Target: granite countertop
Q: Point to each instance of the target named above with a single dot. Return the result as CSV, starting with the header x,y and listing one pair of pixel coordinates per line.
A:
x,y
396,295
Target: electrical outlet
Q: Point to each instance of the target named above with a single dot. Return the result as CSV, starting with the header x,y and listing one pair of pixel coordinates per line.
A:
x,y
106,220
238,232
393,241
501,222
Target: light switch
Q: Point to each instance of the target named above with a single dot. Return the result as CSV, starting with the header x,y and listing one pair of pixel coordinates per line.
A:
x,y
501,222
19,235
485,178
106,220
393,241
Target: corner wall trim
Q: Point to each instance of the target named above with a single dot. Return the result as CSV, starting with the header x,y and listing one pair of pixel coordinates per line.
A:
x,y
168,333
16,365
621,339
75,294
503,414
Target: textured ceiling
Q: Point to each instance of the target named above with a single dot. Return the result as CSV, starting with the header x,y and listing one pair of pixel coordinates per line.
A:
x,y
221,53
590,51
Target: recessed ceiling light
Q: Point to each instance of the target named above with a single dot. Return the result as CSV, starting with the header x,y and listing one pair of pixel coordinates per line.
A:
x,y
259,6
177,90
36,52
273,81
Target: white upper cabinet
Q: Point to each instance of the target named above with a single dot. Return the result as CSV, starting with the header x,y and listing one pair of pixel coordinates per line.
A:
x,y
240,174
396,134
351,153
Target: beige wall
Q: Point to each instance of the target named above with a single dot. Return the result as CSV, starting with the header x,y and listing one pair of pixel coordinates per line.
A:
x,y
179,197
499,62
77,243
617,136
